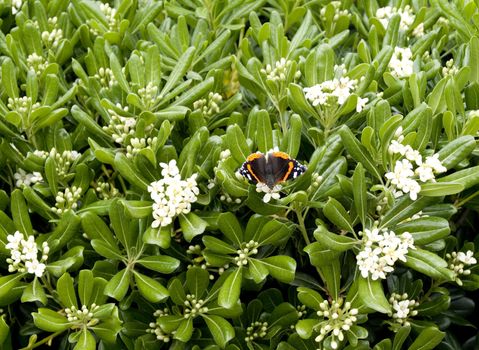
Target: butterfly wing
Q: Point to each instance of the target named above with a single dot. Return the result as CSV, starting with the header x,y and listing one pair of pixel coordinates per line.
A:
x,y
285,168
254,169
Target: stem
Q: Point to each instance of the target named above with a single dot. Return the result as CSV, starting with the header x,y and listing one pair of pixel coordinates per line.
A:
x,y
43,341
467,199
302,227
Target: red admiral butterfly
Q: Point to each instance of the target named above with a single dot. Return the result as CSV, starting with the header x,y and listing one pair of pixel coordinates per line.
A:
x,y
271,169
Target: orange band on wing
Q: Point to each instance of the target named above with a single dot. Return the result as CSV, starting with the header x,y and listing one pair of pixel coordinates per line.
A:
x,y
254,156
281,155
290,169
248,166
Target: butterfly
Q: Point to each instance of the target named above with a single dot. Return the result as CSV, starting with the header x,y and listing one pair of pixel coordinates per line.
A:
x,y
271,168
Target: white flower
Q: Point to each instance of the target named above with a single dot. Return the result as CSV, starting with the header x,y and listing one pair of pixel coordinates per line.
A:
x,y
466,258
271,193
396,148
333,92
413,155
401,63
434,162
27,179
384,14
24,254
402,172
361,104
381,250
172,195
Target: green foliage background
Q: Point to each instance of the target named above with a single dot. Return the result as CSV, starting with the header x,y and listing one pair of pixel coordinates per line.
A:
x,y
194,77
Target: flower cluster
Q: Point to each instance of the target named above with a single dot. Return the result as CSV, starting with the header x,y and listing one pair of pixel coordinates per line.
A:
x,y
105,189
381,249
23,105
404,176
457,261
209,106
120,127
334,93
63,160
110,16
337,318
149,94
26,179
172,195
106,77
67,200
384,15
270,193
84,316
402,308
52,38
137,144
193,306
450,69
24,254
401,63
279,70
256,330
154,327
36,63
250,248
337,11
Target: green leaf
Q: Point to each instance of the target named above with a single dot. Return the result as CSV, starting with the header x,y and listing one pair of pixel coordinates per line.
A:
x,y
429,264
264,132
400,337
20,215
66,292
439,189
360,193
184,331
304,328
467,177
160,263
230,290
106,250
428,339
294,134
86,341
50,321
280,267
85,286
8,282
456,151
358,152
9,78
336,213
191,225
310,297
179,71
34,292
218,246
273,232
334,241
230,226
4,330
236,143
120,223
221,330
371,294
197,280
151,289
129,171
117,287
425,230
257,270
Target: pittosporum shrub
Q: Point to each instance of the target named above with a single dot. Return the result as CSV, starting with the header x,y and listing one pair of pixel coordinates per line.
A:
x,y
129,213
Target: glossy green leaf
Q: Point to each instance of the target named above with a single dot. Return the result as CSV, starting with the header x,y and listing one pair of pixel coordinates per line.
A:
x,y
280,267
191,225
428,339
66,292
336,213
150,289
50,321
160,263
371,293
230,290
221,330
117,287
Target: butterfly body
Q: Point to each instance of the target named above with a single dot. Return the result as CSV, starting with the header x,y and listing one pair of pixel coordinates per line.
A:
x,y
271,168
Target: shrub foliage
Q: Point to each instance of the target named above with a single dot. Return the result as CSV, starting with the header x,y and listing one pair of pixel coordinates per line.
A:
x,y
124,223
